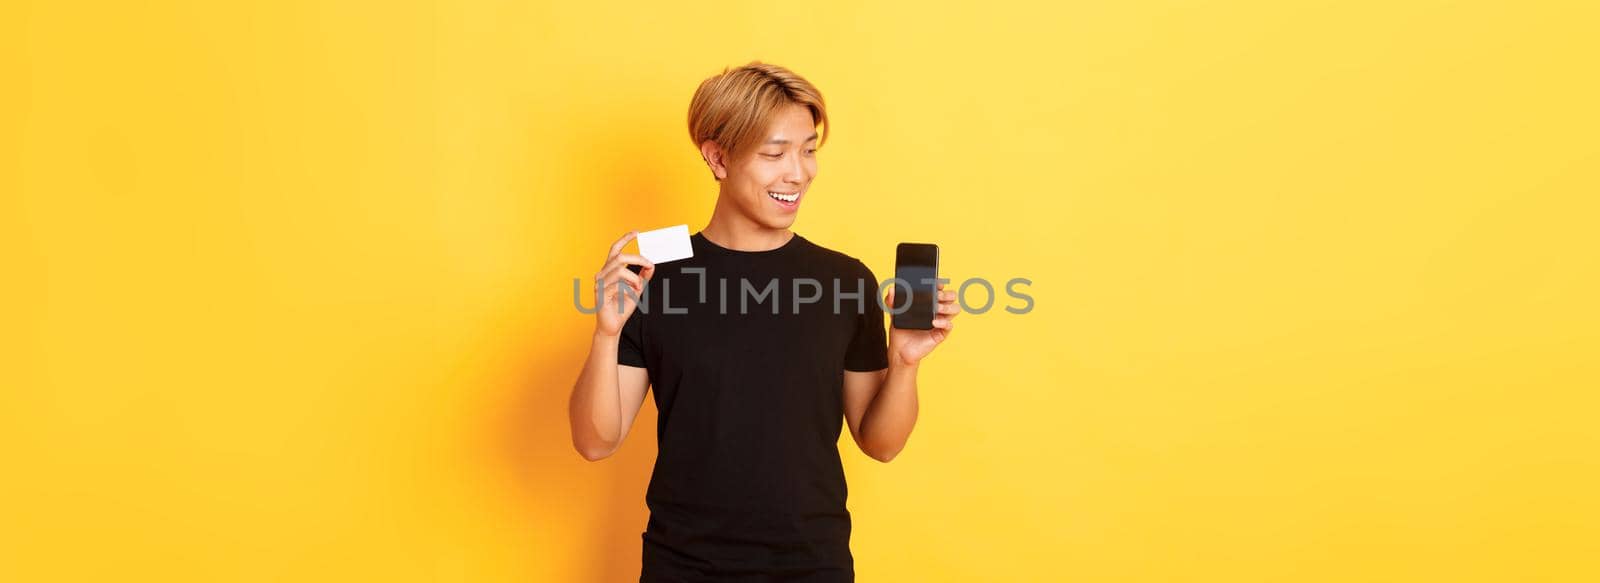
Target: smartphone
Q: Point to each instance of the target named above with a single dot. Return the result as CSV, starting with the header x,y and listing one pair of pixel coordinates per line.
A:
x,y
916,297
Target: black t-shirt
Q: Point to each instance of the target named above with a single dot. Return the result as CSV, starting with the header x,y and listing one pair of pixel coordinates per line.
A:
x,y
746,359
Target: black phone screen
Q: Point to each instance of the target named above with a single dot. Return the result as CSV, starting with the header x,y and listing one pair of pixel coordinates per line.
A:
x,y
915,299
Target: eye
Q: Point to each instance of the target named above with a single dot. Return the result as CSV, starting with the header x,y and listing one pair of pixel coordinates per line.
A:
x,y
772,156
811,151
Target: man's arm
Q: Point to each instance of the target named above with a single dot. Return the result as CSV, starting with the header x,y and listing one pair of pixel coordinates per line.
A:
x,y
608,394
881,406
605,400
881,409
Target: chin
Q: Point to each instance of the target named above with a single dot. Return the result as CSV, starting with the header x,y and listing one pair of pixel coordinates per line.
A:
x,y
775,223
768,219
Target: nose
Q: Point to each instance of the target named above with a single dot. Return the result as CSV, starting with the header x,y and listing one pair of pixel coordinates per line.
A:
x,y
796,171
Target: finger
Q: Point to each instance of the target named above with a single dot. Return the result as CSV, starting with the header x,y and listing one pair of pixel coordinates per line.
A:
x,y
633,281
616,295
947,296
609,293
607,280
609,287
632,259
949,309
617,247
627,259
620,272
618,300
943,324
607,274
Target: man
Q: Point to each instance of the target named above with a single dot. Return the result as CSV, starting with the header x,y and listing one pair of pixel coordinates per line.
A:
x,y
756,347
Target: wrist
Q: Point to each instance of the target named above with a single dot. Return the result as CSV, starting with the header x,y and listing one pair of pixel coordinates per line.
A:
x,y
897,362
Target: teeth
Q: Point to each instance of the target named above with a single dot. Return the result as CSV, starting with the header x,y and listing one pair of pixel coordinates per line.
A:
x,y
785,197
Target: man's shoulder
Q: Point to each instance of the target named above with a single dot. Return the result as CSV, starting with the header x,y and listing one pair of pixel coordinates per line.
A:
x,y
839,259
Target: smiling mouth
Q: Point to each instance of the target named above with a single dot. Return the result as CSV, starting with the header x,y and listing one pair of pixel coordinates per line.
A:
x,y
785,198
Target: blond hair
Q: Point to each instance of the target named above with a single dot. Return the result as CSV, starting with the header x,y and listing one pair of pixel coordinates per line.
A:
x,y
734,107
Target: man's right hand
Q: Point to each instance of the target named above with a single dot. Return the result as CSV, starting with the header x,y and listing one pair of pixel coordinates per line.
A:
x,y
616,306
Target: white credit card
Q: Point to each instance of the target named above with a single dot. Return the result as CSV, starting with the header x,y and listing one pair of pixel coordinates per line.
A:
x,y
668,244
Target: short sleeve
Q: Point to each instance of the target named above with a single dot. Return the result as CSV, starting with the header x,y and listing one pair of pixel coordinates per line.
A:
x,y
869,347
630,343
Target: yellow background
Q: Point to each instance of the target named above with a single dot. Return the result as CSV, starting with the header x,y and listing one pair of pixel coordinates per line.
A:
x,y
287,285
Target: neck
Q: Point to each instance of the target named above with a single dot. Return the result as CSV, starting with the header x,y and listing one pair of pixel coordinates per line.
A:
x,y
731,229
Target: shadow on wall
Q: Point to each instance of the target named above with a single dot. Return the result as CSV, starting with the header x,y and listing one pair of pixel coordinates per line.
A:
x,y
597,507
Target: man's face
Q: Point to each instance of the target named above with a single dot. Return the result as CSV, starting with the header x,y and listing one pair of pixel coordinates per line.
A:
x,y
768,183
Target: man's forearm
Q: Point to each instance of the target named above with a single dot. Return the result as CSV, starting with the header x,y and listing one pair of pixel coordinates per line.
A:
x,y
892,414
595,410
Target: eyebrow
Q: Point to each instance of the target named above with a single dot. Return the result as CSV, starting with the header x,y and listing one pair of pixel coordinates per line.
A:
x,y
813,137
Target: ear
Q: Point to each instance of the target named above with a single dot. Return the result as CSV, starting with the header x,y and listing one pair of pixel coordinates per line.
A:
x,y
715,159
